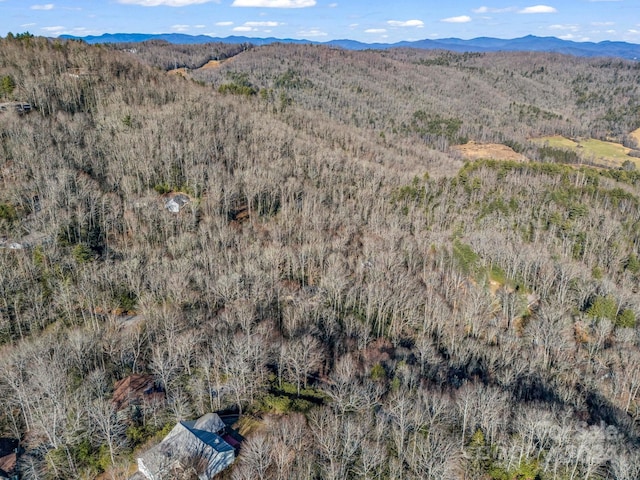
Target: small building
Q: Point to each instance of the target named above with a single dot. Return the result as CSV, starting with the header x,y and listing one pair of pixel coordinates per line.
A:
x,y
9,450
20,107
176,201
195,446
136,390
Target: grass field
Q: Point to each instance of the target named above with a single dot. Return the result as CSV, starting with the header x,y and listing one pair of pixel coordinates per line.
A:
x,y
495,151
606,154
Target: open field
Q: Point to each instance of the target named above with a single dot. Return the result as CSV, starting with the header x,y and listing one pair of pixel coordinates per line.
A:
x,y
211,64
607,154
179,71
185,72
495,151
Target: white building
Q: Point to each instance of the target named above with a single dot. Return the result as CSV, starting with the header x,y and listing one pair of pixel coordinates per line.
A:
x,y
194,445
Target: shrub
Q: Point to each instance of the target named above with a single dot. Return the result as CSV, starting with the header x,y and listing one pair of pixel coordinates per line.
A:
x,y
378,373
81,253
464,256
275,404
8,212
7,85
236,89
633,264
162,188
626,319
125,299
603,307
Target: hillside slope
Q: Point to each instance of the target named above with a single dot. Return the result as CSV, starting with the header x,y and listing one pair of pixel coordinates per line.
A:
x,y
491,97
369,304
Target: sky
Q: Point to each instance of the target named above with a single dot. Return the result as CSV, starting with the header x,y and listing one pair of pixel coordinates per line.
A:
x,y
368,21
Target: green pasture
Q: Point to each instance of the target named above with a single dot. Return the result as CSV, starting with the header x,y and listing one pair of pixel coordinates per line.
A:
x,y
609,154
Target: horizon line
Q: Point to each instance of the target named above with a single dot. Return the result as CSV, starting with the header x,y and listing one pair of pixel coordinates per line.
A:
x,y
344,38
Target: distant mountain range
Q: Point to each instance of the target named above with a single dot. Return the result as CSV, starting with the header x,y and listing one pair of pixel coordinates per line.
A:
x,y
530,43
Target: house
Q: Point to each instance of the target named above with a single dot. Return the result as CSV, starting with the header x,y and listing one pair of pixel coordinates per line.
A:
x,y
20,107
176,202
9,450
136,390
195,445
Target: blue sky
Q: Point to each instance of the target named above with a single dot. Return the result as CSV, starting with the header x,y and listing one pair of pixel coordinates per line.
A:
x,y
364,20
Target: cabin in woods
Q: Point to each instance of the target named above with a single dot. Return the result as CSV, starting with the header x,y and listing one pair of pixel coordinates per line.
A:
x,y
135,390
194,447
20,107
9,451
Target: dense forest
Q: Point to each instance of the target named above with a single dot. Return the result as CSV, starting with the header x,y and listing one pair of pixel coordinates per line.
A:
x,y
371,305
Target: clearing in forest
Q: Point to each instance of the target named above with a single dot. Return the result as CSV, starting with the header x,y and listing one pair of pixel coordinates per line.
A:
x,y
185,72
606,154
494,151
179,71
636,135
211,64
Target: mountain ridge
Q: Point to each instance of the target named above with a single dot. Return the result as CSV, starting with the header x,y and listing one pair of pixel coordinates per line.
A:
x,y
607,48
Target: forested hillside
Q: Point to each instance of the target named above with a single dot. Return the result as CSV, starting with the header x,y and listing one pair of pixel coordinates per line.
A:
x,y
373,306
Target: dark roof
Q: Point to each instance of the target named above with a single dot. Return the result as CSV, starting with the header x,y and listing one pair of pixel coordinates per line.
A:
x,y
212,439
231,441
8,445
134,388
8,456
8,464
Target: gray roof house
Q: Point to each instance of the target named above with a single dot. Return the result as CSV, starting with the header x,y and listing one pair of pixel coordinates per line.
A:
x,y
176,202
194,445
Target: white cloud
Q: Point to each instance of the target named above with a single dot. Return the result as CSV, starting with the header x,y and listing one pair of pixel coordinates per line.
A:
x,y
224,24
274,3
59,30
570,28
572,37
199,26
48,6
484,9
375,30
314,32
56,29
460,19
255,26
602,24
180,28
538,9
166,3
261,24
332,5
407,23
27,24
83,31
